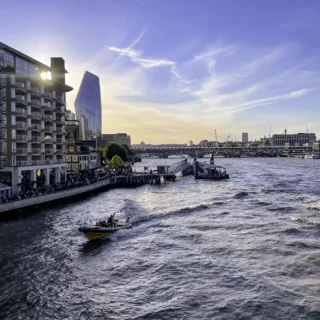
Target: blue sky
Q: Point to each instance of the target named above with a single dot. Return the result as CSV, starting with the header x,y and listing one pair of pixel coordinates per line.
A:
x,y
174,70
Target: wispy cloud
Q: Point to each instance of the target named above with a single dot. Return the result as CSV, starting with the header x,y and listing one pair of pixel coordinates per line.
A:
x,y
211,88
137,57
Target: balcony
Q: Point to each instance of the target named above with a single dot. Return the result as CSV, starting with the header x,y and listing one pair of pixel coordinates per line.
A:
x,y
22,151
36,139
21,113
48,141
48,129
49,161
20,87
49,151
60,110
47,106
36,151
36,115
35,103
21,138
47,96
59,101
60,151
21,125
60,161
21,163
21,100
35,91
60,131
61,140
36,162
48,118
35,127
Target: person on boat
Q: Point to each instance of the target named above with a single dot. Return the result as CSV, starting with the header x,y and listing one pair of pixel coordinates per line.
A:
x,y
109,223
114,221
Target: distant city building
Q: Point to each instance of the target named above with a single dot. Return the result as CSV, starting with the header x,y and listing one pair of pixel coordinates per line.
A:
x,y
72,125
80,156
88,107
299,139
190,143
245,137
204,143
33,98
121,138
70,115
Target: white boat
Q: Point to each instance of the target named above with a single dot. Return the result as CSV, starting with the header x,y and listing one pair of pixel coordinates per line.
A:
x,y
314,155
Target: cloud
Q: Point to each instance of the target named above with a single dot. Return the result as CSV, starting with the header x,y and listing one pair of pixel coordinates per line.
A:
x,y
159,100
136,57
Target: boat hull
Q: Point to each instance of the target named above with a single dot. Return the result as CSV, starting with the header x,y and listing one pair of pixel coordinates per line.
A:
x,y
94,233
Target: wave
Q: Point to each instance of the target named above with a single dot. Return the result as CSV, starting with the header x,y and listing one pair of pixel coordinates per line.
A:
x,y
307,222
291,231
281,209
241,194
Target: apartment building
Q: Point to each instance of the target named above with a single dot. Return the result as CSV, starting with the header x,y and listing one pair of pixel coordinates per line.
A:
x,y
34,97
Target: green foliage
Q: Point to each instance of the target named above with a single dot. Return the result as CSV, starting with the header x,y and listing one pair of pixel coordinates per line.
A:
x,y
116,162
129,151
112,149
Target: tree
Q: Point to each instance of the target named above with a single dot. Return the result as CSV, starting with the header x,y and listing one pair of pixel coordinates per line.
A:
x,y
116,162
112,149
129,151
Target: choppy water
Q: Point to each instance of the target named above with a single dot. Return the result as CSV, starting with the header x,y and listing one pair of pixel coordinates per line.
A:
x,y
247,248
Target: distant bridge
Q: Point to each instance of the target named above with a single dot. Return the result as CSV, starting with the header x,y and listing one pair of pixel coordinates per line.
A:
x,y
195,151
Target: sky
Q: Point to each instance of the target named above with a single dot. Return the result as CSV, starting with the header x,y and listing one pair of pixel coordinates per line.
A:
x,y
172,71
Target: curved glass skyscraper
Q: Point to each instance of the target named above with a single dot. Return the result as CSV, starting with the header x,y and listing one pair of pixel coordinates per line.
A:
x,y
88,106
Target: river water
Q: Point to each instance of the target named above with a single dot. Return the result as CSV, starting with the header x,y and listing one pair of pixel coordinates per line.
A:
x,y
246,248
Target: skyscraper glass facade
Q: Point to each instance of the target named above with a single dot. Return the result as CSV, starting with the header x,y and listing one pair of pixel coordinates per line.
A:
x,y
88,106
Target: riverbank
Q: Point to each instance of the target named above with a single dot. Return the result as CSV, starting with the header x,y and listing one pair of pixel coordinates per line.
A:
x,y
22,207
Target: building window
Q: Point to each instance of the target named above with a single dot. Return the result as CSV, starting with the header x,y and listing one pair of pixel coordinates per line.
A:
x,y
71,149
13,93
29,160
13,106
74,158
22,66
13,120
13,134
14,147
13,160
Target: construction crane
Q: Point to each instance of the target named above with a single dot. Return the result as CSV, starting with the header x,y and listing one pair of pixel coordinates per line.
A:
x,y
307,129
215,134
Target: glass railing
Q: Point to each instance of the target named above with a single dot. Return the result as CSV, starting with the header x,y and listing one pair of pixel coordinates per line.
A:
x,y
36,151
20,85
36,115
21,98
35,162
21,137
21,163
37,139
21,125
35,90
22,151
21,112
